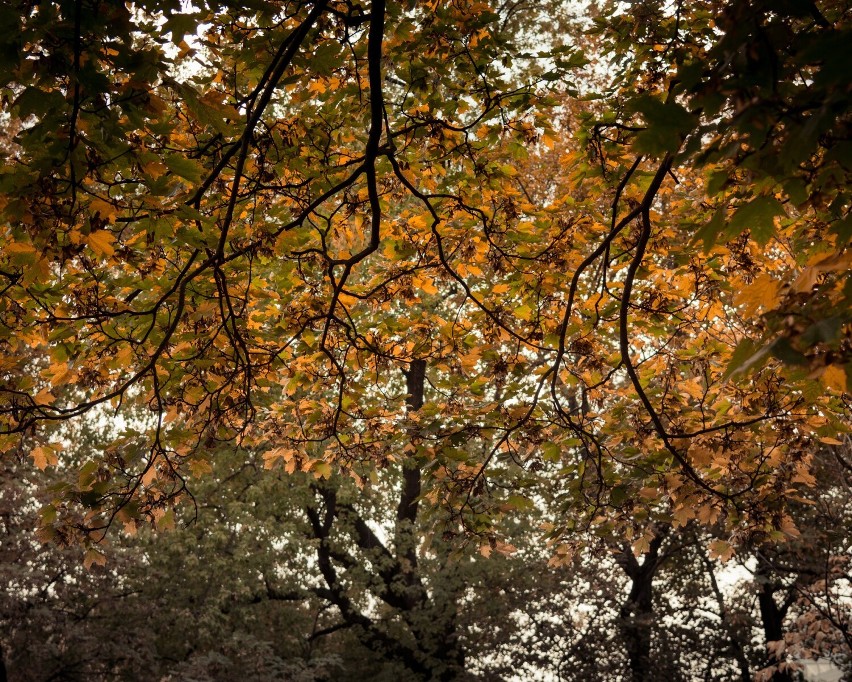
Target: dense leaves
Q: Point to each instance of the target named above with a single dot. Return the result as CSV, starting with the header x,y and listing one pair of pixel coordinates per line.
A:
x,y
593,267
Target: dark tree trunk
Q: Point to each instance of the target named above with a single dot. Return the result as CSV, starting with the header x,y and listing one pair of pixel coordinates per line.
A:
x,y
772,616
637,611
439,640
433,652
637,616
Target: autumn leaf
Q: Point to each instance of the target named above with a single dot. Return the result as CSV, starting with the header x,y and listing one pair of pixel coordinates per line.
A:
x,y
762,293
104,209
834,377
93,557
101,242
321,469
44,456
20,253
721,549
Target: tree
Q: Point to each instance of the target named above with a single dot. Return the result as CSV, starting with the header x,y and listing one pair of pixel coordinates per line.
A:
x,y
246,576
251,576
231,223
61,621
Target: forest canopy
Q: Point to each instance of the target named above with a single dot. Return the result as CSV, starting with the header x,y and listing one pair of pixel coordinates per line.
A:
x,y
489,267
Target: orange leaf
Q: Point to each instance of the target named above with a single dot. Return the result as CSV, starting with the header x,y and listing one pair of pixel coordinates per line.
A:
x,y
101,242
720,549
834,377
104,209
44,456
92,557
762,293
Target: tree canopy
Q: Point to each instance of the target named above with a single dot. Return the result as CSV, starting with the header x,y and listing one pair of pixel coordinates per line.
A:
x,y
523,255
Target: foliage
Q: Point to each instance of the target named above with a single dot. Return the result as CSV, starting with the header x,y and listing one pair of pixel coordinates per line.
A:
x,y
430,248
245,577
248,577
247,248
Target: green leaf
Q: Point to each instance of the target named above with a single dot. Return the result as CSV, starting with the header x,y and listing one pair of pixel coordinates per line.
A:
x,y
181,24
824,331
668,123
784,351
551,452
33,101
742,353
716,183
709,232
758,216
843,229
618,495
796,190
184,168
520,503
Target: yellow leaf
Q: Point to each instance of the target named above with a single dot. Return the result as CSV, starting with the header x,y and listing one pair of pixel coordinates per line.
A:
x,y
788,527
154,168
648,493
104,209
762,293
18,248
57,373
505,548
805,282
720,549
166,521
641,546
199,467
707,514
425,284
700,454
101,242
524,312
418,221
834,377
322,470
44,397
271,457
682,514
693,388
803,475
149,476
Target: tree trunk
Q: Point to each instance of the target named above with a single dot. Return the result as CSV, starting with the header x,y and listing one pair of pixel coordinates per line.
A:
x,y
439,639
434,651
636,620
637,611
772,617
